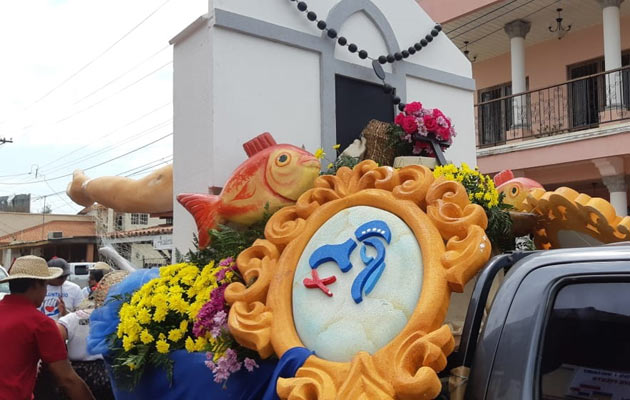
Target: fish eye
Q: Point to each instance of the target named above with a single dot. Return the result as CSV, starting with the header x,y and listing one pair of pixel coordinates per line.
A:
x,y
283,159
514,191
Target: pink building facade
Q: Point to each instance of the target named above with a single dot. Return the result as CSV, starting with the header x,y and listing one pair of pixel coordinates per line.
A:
x,y
553,97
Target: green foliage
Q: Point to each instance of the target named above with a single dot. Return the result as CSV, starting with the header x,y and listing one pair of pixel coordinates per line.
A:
x,y
499,229
228,241
130,368
341,161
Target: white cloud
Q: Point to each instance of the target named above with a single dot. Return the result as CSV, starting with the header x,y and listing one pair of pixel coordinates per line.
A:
x,y
47,41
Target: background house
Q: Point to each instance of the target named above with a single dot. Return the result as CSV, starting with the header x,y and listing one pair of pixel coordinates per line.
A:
x,y
552,104
72,237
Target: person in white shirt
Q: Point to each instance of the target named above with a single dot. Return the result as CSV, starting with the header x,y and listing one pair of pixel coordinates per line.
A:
x,y
95,277
75,328
62,296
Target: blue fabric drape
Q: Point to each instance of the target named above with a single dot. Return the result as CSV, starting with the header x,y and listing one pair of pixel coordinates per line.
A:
x,y
192,380
104,320
287,367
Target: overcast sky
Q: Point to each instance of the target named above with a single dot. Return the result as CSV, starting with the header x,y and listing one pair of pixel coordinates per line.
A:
x,y
81,83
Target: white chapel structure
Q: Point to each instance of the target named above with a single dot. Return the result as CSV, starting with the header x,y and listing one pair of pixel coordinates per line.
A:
x,y
252,66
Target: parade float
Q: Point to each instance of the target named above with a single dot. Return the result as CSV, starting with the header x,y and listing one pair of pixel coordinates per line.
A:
x,y
301,284
324,286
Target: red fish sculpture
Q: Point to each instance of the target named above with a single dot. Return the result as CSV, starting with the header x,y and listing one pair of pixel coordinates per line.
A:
x,y
515,189
274,175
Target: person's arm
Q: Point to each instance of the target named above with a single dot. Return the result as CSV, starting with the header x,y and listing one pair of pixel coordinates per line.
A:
x,y
74,387
63,331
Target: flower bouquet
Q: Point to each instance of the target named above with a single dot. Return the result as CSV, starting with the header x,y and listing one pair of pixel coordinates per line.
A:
x,y
415,128
481,190
183,308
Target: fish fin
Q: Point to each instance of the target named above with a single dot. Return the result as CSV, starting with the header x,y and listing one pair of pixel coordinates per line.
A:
x,y
502,177
259,143
247,191
205,209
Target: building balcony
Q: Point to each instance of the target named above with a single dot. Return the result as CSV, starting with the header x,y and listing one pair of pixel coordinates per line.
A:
x,y
585,104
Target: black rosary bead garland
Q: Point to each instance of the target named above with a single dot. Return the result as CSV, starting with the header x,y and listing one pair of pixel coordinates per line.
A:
x,y
363,54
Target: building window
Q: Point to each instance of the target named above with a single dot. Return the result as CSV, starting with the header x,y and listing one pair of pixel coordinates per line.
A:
x,y
119,222
495,116
139,219
169,221
586,348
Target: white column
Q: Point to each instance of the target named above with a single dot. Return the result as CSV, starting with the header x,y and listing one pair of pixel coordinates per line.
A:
x,y
612,49
618,193
517,30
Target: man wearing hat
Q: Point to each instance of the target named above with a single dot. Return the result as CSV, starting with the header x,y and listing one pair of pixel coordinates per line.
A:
x,y
62,295
28,336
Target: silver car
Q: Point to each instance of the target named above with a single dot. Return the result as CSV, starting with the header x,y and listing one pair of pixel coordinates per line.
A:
x,y
4,287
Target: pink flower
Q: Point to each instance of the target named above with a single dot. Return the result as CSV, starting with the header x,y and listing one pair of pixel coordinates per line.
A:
x,y
399,119
216,331
430,123
444,133
250,364
422,148
438,113
226,261
219,318
409,124
413,108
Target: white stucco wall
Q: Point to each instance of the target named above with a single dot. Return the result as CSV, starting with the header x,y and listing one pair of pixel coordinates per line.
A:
x,y
230,86
192,125
458,104
261,86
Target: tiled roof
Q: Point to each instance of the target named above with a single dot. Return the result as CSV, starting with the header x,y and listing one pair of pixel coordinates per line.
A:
x,y
154,230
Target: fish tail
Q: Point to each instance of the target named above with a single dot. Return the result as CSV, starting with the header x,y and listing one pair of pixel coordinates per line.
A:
x,y
205,209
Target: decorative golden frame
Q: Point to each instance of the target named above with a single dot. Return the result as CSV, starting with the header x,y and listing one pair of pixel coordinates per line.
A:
x,y
437,211
566,209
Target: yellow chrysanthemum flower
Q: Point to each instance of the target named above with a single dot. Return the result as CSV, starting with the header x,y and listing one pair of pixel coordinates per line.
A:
x,y
146,337
190,344
337,146
162,346
319,154
174,335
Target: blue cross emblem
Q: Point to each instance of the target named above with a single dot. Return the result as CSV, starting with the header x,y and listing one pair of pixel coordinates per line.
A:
x,y
369,234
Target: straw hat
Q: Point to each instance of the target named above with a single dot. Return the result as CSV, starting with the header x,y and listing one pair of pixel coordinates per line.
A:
x,y
100,293
102,266
32,267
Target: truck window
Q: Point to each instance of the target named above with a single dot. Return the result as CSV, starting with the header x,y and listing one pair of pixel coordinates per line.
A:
x,y
586,350
81,269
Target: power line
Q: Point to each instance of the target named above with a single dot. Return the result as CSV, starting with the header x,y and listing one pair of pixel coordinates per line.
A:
x,y
159,161
51,91
150,168
111,147
108,133
112,95
121,75
93,166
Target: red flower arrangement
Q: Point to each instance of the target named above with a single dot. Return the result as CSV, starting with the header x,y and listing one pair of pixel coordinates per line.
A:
x,y
415,124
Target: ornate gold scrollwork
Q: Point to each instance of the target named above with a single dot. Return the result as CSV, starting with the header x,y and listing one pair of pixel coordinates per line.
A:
x,y
567,210
437,211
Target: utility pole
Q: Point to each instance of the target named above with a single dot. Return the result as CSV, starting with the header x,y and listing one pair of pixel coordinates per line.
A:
x,y
3,140
43,217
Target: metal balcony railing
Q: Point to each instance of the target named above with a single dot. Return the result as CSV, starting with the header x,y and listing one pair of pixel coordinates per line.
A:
x,y
574,105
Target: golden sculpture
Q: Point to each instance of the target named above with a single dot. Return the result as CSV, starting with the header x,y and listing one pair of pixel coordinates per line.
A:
x,y
567,210
449,230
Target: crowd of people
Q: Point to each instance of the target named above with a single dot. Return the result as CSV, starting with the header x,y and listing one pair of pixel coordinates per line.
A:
x,y
44,325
